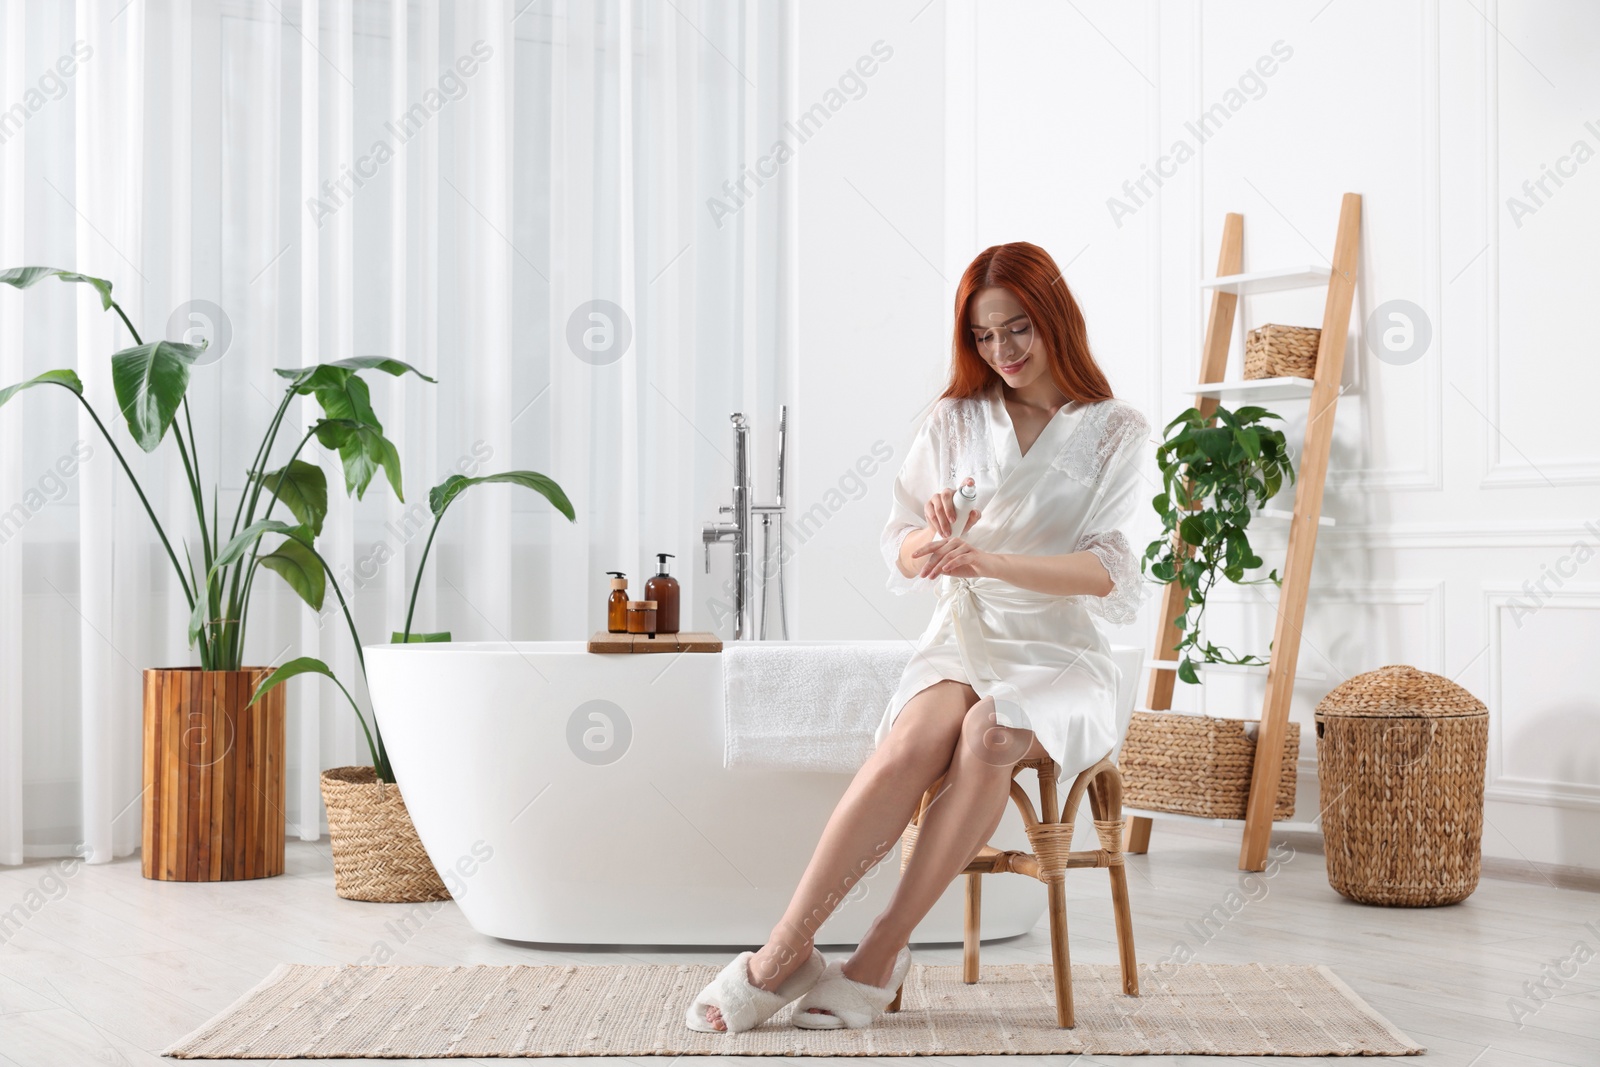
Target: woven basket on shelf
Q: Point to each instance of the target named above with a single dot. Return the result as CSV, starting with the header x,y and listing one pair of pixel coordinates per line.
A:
x,y
1400,758
376,852
1274,351
1198,765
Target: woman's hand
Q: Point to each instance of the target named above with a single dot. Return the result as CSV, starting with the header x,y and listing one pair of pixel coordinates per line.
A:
x,y
940,511
957,558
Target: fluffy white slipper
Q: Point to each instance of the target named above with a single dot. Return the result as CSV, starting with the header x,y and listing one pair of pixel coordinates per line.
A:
x,y
853,1004
745,1006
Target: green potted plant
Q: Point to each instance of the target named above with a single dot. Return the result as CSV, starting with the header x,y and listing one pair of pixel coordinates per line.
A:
x,y
1215,475
377,855
1214,478
214,759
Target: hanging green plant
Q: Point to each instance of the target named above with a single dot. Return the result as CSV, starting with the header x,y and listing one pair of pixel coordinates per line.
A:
x,y
1215,477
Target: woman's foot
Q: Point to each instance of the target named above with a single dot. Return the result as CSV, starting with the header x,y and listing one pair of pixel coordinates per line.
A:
x,y
714,1013
870,965
768,968
838,1001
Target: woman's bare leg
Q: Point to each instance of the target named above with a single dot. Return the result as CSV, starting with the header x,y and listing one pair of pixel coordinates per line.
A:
x,y
865,824
954,829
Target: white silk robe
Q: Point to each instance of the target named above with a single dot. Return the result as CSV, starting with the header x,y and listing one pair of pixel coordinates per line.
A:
x,y
1042,656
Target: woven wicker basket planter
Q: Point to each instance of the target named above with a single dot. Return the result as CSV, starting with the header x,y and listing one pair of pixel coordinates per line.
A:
x,y
376,852
1274,351
1400,755
1198,765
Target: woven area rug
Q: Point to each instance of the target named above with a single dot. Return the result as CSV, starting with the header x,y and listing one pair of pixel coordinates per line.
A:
x,y
480,1011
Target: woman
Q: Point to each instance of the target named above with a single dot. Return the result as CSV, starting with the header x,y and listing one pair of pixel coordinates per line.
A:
x,y
1011,665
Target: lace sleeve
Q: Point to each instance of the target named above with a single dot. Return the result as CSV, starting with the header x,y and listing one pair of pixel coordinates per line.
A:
x,y
1120,606
1107,455
1111,435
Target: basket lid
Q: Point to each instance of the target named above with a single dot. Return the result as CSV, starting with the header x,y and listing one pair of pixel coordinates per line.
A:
x,y
1399,691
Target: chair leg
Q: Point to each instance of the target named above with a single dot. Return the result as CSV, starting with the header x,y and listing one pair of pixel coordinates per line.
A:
x,y
969,935
1124,917
1059,956
1136,838
1105,801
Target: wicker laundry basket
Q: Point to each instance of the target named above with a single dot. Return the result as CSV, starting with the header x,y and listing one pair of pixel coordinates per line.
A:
x,y
1274,351
1198,765
377,854
1400,758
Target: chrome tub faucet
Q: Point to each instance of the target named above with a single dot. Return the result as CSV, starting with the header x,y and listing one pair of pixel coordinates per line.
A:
x,y
739,531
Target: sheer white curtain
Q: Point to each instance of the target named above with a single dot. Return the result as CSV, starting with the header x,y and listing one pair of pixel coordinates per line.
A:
x,y
461,186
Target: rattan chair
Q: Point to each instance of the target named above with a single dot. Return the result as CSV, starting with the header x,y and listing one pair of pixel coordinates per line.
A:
x,y
1050,837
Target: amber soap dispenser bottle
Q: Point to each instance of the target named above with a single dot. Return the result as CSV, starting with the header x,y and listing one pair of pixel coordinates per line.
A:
x,y
617,604
663,589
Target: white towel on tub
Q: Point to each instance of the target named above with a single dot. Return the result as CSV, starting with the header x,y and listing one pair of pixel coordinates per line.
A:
x,y
806,707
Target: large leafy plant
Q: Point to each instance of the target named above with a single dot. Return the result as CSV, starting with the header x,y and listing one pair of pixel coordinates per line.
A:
x,y
1215,477
151,381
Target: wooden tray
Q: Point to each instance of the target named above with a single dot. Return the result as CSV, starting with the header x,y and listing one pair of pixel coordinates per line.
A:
x,y
686,641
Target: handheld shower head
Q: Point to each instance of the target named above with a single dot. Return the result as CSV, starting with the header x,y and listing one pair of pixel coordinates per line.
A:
x,y
783,434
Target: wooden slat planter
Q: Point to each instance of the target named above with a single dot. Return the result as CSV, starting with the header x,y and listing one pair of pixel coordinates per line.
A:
x,y
213,776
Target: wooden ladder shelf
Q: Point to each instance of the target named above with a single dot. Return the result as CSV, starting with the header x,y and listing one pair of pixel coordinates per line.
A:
x,y
1310,476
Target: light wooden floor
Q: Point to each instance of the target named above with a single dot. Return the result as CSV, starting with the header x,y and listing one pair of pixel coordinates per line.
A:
x,y
111,967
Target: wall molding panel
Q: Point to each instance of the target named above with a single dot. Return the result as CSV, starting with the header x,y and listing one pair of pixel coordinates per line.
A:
x,y
1428,595
1552,533
1496,598
1429,476
1498,472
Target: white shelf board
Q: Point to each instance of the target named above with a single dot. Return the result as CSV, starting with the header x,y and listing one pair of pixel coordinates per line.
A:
x,y
1282,388
1279,514
1172,816
1300,674
1269,281
1273,514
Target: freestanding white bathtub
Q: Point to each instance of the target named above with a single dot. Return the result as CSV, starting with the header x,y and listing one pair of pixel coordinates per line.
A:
x,y
580,798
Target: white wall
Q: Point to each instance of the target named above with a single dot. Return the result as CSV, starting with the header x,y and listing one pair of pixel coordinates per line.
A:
x,y
871,345
1458,481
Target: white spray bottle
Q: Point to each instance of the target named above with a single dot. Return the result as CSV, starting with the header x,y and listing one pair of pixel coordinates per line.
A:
x,y
965,496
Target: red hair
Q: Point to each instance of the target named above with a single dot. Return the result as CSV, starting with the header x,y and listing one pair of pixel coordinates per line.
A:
x,y
1033,278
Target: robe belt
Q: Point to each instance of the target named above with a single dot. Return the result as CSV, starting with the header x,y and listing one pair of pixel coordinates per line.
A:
x,y
963,597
